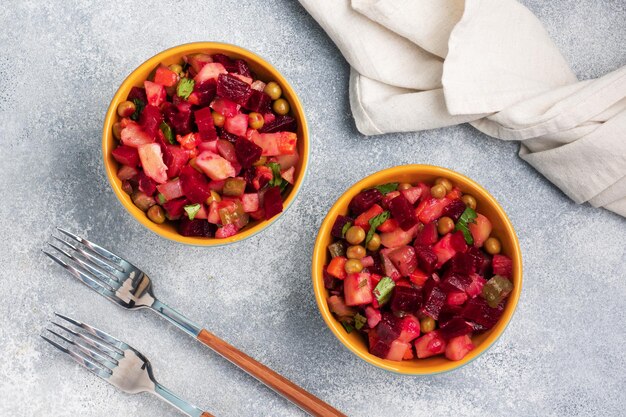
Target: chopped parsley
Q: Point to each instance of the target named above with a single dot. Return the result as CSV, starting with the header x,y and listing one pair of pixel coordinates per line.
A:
x,y
374,223
347,326
387,188
277,179
139,106
468,216
161,198
345,228
359,321
185,88
167,132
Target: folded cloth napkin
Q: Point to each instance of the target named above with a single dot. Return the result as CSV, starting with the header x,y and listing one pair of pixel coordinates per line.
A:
x,y
423,64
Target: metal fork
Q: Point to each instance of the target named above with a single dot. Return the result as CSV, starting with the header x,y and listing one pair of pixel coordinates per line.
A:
x,y
121,282
114,361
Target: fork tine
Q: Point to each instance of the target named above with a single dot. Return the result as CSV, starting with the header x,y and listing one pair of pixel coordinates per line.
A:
x,y
95,354
91,281
90,339
84,362
98,249
101,275
95,332
113,269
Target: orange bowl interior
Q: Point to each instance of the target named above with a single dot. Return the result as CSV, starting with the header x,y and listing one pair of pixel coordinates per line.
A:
x,y
486,205
264,71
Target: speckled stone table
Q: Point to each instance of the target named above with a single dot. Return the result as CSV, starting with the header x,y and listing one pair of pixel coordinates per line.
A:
x,y
563,353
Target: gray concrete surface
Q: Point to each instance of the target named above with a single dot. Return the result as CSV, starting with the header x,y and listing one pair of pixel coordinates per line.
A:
x,y
61,61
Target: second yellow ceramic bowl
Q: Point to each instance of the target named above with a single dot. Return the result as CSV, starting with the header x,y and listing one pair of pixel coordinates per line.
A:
x,y
264,72
486,205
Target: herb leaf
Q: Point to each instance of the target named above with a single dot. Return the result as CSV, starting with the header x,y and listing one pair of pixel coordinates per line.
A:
x,y
383,289
192,210
387,188
359,321
185,88
347,326
374,223
345,228
167,132
161,198
139,106
468,216
277,179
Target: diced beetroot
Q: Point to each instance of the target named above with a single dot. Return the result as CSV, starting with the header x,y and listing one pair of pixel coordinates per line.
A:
x,y
426,258
367,261
357,289
378,347
388,225
280,124
247,152
406,299
226,231
155,93
434,300
412,194
454,328
237,125
330,282
171,189
454,210
444,250
454,281
258,102
228,63
165,76
225,107
134,136
456,298
137,93
250,202
431,209
126,155
272,202
480,229
152,162
418,277
428,235
210,146
203,93
337,305
478,311
233,89
389,327
388,197
363,219
430,344
462,263
196,227
194,185
364,200
388,267
126,172
476,287
209,71
402,210
206,127
340,222
214,166
404,260
398,237
502,265
397,350
228,152
150,120
273,144
243,68
480,260
458,347
178,117
175,208
146,184
175,158
373,316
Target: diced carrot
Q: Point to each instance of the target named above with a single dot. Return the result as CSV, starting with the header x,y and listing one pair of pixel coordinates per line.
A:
x,y
336,267
364,218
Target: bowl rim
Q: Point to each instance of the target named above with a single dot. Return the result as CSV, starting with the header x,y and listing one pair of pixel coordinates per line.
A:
x,y
319,257
111,117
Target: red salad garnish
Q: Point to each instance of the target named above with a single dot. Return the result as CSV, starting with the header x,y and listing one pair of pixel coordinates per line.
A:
x,y
207,145
416,269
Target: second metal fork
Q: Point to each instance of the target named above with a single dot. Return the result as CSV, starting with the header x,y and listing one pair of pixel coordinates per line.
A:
x,y
129,287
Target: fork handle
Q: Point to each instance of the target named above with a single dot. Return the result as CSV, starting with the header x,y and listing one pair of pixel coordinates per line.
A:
x,y
303,399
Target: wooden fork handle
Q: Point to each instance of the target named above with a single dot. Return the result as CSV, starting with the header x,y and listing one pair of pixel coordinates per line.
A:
x,y
205,414
306,401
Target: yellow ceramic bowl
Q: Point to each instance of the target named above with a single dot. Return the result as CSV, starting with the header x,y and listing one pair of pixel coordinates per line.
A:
x,y
502,229
264,71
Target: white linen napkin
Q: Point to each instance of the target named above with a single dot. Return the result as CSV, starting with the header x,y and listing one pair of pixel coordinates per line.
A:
x,y
423,64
